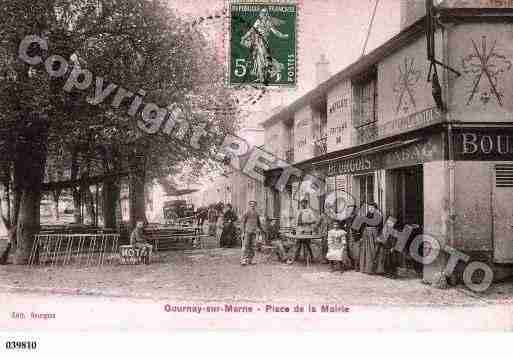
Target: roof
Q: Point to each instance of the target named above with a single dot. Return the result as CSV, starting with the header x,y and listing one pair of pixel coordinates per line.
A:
x,y
367,62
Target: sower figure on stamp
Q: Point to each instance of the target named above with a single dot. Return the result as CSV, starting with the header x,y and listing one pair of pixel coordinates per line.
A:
x,y
257,40
250,225
139,243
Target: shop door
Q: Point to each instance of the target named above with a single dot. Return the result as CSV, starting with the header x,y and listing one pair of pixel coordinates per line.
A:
x,y
503,214
410,195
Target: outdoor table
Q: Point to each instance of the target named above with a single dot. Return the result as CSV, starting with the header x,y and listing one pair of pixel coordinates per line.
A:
x,y
304,242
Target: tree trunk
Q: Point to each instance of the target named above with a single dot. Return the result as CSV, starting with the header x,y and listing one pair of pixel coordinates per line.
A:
x,y
56,194
75,192
110,196
77,213
28,225
89,202
6,197
30,158
136,190
5,245
15,198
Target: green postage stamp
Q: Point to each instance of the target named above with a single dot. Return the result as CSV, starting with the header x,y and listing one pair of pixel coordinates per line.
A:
x,y
263,47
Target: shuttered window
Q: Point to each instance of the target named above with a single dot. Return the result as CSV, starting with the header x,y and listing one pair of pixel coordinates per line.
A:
x,y
365,96
504,175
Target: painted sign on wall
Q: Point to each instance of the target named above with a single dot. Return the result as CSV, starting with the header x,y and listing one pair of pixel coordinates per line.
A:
x,y
303,134
475,3
405,100
482,52
276,139
339,104
414,121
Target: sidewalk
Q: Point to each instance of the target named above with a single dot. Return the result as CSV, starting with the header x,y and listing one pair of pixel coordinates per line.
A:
x,y
216,275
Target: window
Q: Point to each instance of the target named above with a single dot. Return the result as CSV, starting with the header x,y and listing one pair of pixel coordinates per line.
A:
x,y
365,96
289,150
366,188
336,186
323,120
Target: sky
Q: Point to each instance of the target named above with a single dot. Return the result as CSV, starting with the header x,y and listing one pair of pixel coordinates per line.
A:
x,y
336,28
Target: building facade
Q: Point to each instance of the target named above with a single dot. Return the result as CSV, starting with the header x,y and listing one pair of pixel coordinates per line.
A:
x,y
233,186
437,155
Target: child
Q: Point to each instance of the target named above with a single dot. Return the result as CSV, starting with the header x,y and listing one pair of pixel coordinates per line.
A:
x,y
336,246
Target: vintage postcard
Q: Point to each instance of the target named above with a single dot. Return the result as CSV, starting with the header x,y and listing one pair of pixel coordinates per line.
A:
x,y
270,165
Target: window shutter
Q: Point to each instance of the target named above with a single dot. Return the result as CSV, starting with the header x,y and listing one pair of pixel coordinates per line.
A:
x,y
504,176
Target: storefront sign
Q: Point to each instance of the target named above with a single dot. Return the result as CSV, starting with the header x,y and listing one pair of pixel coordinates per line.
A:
x,y
421,151
418,152
484,144
399,125
353,165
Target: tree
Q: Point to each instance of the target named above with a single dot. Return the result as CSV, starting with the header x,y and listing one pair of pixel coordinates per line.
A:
x,y
135,44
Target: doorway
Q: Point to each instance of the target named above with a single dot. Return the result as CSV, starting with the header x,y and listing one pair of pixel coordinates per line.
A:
x,y
408,208
409,195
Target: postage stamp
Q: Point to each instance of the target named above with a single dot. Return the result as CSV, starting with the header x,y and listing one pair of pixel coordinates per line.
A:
x,y
263,43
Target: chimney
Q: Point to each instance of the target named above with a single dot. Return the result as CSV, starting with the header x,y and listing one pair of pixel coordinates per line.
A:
x,y
411,11
322,70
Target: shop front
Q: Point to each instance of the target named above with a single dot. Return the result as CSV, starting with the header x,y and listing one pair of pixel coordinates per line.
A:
x,y
483,194
391,175
398,176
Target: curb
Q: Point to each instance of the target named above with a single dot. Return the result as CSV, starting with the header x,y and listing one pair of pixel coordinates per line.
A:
x,y
99,293
66,291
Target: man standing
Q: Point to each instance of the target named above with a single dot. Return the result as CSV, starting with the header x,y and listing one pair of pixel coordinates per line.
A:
x,y
305,223
306,219
250,224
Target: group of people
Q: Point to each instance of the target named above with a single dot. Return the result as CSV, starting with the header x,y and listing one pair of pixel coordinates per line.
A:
x,y
220,221
367,248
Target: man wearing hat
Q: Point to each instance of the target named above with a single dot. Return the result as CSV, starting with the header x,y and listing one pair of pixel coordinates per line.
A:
x,y
306,219
250,223
305,224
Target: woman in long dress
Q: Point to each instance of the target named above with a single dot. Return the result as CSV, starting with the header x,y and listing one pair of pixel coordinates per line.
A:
x,y
219,223
369,259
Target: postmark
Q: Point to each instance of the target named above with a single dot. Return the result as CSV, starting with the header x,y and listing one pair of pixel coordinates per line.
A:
x,y
263,43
